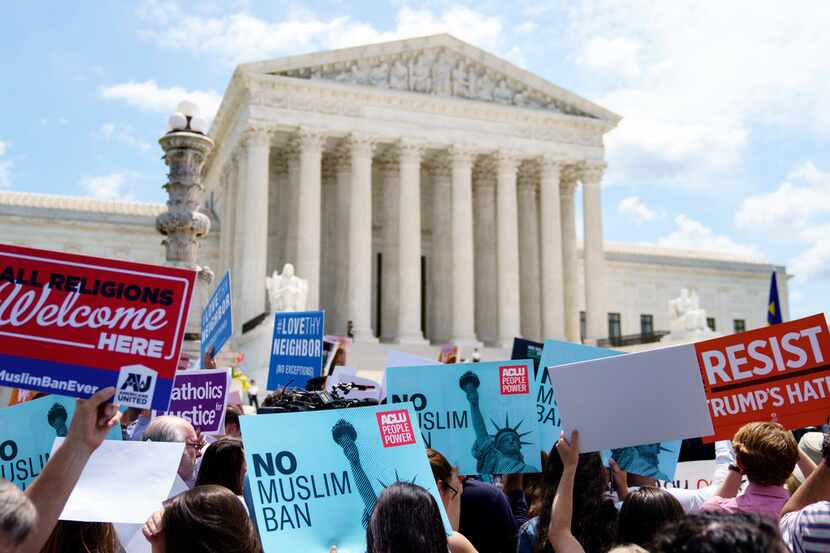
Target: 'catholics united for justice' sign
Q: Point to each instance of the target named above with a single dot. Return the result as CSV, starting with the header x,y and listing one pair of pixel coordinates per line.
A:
x,y
200,397
71,324
315,476
217,319
296,348
481,416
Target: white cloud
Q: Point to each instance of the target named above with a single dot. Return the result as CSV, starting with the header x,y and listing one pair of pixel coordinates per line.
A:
x,y
241,37
693,80
804,195
814,262
113,186
690,234
614,55
111,131
149,96
636,208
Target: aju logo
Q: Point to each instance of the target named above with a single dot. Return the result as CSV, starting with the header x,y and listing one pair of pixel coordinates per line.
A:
x,y
136,384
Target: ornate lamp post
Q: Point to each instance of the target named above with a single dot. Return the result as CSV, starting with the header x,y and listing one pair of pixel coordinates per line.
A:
x,y
186,147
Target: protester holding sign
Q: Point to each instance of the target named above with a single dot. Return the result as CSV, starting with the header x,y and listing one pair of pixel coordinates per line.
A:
x,y
92,421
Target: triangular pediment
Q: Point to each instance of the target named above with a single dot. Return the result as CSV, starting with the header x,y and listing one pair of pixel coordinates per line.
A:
x,y
438,65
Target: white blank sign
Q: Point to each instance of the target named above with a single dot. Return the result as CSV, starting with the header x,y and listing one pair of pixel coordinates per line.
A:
x,y
627,400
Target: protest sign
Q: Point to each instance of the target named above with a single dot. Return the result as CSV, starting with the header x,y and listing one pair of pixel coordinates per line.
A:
x,y
315,476
217,319
654,460
138,475
780,372
200,397
557,353
479,415
639,398
71,324
296,349
27,431
691,475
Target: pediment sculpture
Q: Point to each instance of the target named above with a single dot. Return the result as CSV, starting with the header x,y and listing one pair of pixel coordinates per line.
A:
x,y
438,72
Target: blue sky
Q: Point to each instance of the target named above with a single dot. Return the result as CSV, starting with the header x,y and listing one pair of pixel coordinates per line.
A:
x,y
724,142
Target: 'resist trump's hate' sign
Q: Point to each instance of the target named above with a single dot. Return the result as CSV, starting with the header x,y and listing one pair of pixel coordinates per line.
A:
x,y
71,324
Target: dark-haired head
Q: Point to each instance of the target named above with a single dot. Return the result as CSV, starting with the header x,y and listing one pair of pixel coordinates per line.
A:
x,y
232,414
644,512
719,533
208,519
406,519
594,521
223,464
87,537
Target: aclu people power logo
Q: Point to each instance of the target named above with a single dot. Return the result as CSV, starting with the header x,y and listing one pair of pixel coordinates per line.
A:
x,y
135,387
395,428
513,379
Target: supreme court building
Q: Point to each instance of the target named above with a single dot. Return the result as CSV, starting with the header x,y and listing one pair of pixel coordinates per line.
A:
x,y
426,190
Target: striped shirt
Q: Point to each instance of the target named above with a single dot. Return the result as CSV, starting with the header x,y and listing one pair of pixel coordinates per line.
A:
x,y
807,530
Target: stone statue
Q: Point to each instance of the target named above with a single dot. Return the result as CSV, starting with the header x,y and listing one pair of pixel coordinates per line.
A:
x,y
441,73
484,87
420,73
688,319
378,75
286,292
460,80
502,93
399,76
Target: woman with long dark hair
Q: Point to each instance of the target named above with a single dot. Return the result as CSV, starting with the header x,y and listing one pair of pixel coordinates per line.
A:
x,y
406,519
82,537
223,464
206,519
594,517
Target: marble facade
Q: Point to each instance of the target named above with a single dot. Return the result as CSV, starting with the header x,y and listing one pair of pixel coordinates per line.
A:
x,y
449,167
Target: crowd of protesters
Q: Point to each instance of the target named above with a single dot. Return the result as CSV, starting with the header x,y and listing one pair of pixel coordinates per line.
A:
x,y
769,493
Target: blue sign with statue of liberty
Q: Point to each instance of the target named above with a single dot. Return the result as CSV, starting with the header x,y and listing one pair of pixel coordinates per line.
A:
x,y
480,416
27,432
315,476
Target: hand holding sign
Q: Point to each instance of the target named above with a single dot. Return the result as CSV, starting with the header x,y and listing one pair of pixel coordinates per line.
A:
x,y
93,420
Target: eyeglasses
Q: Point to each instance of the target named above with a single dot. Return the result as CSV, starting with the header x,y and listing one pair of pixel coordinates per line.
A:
x,y
453,491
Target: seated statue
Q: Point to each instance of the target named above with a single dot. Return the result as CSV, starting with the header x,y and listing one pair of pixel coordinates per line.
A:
x,y
688,319
286,292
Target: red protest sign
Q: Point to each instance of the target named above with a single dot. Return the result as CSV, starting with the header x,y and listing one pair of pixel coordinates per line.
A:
x,y
780,372
513,379
395,428
71,324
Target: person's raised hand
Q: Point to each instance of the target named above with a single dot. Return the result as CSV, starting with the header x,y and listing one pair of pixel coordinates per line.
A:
x,y
153,527
93,419
568,450
620,478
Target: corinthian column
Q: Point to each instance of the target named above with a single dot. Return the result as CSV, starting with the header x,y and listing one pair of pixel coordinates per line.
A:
x,y
441,273
552,281
531,314
390,182
463,282
409,245
360,239
257,144
486,270
593,252
310,146
567,186
343,185
507,248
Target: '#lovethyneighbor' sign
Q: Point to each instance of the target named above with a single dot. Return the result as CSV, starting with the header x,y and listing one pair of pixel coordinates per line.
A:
x,y
201,396
315,476
780,372
71,324
296,348
480,416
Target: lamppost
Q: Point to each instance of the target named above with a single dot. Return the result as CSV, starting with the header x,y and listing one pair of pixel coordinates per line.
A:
x,y
186,147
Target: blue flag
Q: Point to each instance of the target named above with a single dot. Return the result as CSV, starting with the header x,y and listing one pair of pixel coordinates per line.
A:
x,y
773,305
